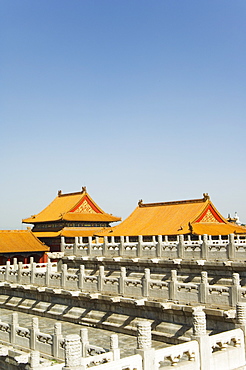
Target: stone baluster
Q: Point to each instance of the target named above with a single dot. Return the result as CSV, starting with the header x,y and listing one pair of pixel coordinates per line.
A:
x,y
172,285
204,247
159,246
114,347
144,345
57,337
73,353
231,248
33,272
20,267
33,333
121,246
200,334
35,360
100,279
81,276
89,249
241,317
140,246
84,340
75,246
180,247
64,275
62,244
7,270
105,246
47,274
234,289
13,326
15,263
204,287
122,280
145,282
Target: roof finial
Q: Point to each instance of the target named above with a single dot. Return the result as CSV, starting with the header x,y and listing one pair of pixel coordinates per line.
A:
x,y
140,202
59,193
83,189
206,196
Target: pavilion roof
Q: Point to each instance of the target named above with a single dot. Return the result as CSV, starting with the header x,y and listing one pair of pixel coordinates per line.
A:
x,y
69,232
77,206
197,216
13,241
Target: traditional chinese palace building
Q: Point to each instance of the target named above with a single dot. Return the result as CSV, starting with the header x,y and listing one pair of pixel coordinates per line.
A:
x,y
21,244
195,217
69,215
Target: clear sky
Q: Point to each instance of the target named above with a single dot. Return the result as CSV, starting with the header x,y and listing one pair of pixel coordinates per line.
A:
x,y
135,99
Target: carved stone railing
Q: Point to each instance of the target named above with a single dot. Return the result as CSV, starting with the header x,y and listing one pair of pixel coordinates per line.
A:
x,y
172,289
206,247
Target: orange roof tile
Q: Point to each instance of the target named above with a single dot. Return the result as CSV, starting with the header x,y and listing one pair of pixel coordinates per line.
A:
x,y
172,218
72,207
12,241
69,232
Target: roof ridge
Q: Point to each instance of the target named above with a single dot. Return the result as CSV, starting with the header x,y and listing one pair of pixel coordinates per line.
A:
x,y
83,190
171,203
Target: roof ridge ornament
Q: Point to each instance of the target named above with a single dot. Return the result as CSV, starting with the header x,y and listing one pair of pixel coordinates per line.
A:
x,y
206,196
84,189
140,202
59,193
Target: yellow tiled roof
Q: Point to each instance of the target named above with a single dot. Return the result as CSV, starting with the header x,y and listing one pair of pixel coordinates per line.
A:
x,y
70,232
63,207
12,241
172,218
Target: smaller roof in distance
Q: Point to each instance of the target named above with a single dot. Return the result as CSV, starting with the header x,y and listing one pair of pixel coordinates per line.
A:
x,y
17,241
77,206
69,232
195,216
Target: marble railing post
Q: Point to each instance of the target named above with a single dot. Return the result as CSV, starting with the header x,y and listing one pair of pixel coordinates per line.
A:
x,y
159,246
57,336
33,272
203,287
241,318
81,276
200,334
19,272
122,280
75,246
15,263
204,247
73,353
64,275
13,326
89,250
145,282
144,345
34,360
121,246
180,247
140,246
234,289
231,248
7,270
114,347
100,280
84,341
33,333
105,246
47,274
62,244
172,285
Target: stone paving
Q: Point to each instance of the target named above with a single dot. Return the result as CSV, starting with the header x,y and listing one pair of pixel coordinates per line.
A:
x,y
99,337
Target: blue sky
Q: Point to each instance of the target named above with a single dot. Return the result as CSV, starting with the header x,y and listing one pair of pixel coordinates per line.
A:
x,y
134,99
